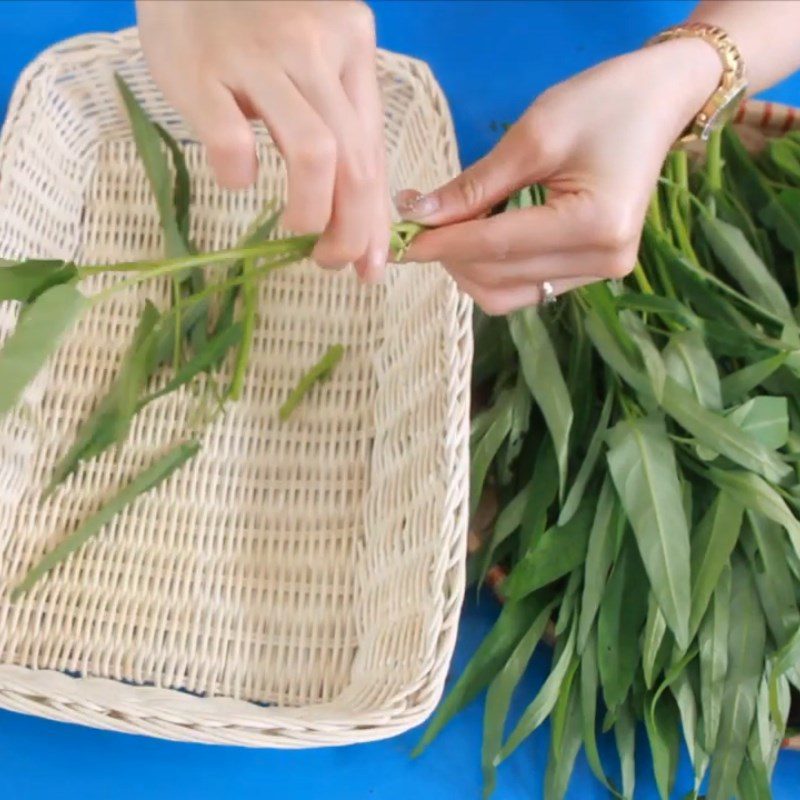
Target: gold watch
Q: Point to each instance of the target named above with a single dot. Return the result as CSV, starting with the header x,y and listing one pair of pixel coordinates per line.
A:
x,y
723,103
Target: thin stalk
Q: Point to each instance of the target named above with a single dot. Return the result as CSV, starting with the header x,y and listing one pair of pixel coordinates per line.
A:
x,y
176,347
714,161
249,297
320,371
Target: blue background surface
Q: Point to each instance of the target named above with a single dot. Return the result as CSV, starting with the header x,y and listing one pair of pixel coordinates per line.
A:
x,y
492,59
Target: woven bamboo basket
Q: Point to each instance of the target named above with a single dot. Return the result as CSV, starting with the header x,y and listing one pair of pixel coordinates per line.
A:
x,y
756,121
297,584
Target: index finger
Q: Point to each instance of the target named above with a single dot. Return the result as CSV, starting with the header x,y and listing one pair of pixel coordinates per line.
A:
x,y
514,234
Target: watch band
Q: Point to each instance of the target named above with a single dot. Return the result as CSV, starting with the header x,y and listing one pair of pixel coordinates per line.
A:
x,y
721,105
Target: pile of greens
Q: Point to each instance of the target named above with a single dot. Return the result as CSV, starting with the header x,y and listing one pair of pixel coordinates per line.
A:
x,y
643,439
186,344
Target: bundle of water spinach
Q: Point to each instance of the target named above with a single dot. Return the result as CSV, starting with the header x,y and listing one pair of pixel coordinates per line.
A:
x,y
187,342
642,438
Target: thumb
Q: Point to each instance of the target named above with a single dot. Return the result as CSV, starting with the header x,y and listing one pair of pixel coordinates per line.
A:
x,y
476,190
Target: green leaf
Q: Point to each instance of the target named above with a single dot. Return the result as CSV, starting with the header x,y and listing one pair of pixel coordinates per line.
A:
x,y
740,383
602,546
746,643
684,692
544,702
213,352
542,372
691,365
757,495
625,736
318,372
651,357
784,154
654,629
564,752
662,724
785,659
37,336
182,191
743,263
576,492
110,421
498,698
156,164
721,435
764,544
781,215
764,418
147,480
642,464
512,624
712,544
250,302
556,553
619,624
545,479
520,420
508,520
26,280
498,424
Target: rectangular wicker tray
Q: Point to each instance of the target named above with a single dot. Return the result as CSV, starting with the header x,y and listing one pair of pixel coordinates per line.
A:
x,y
297,584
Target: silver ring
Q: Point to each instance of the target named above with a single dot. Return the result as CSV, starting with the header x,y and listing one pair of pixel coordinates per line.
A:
x,y
547,294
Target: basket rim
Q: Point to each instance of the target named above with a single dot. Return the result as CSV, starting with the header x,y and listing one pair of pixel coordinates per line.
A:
x,y
175,714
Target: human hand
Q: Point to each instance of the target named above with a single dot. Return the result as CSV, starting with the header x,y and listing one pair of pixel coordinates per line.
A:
x,y
308,70
597,142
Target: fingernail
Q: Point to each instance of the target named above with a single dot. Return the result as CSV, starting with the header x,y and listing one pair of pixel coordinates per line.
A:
x,y
376,265
414,205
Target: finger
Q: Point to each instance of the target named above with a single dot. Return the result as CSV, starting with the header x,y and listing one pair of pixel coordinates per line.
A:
x,y
360,84
308,147
568,223
497,302
218,122
508,167
345,239
565,265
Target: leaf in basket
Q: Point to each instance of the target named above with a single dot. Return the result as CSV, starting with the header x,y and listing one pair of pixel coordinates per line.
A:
x,y
737,385
182,191
764,544
543,704
539,363
718,433
619,623
564,750
625,736
712,543
512,624
111,419
497,425
559,551
144,482
712,638
26,280
212,353
36,337
498,697
655,627
576,491
642,464
690,364
757,495
746,644
663,726
781,214
320,371
156,164
765,418
588,690
743,263
605,534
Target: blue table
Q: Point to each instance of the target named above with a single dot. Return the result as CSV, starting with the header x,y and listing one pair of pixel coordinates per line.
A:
x,y
492,58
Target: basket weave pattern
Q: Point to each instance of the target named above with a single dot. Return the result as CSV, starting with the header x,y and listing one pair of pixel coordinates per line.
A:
x,y
297,583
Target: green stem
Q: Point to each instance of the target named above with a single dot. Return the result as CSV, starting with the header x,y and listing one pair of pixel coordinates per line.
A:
x,y
714,161
249,297
641,279
176,346
320,370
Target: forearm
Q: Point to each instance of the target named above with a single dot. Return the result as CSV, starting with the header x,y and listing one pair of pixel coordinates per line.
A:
x,y
767,33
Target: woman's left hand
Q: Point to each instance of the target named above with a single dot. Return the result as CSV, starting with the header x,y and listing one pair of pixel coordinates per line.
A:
x,y
597,142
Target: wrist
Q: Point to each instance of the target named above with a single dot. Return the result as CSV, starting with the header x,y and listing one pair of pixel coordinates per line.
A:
x,y
683,74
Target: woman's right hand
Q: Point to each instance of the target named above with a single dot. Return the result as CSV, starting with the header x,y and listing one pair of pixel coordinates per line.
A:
x,y
307,69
